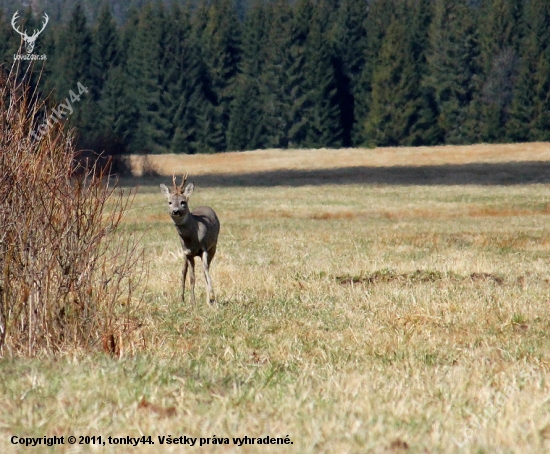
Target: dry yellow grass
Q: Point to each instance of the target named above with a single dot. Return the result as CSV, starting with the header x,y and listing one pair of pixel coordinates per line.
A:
x,y
272,160
353,318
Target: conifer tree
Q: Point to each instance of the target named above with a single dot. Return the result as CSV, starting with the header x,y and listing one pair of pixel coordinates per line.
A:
x,y
378,19
186,86
174,46
7,43
74,56
425,130
150,134
72,67
296,88
394,101
324,127
105,56
117,105
118,114
350,47
220,46
246,129
275,80
127,33
105,53
530,107
499,42
48,48
452,67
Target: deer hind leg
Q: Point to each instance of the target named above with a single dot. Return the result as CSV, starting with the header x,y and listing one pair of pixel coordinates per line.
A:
x,y
183,276
206,259
211,254
192,278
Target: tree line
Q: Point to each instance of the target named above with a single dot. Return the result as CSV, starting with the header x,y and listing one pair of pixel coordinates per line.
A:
x,y
215,76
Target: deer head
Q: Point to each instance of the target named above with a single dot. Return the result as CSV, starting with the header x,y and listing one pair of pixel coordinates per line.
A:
x,y
178,197
29,40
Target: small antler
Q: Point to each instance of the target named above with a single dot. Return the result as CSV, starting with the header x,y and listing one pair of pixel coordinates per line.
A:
x,y
174,187
178,189
184,179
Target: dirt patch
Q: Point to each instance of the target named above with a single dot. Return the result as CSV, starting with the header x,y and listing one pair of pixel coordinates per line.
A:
x,y
476,277
399,445
158,409
418,276
336,215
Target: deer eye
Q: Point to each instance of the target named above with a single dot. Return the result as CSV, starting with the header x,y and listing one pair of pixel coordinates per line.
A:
x,y
182,203
169,203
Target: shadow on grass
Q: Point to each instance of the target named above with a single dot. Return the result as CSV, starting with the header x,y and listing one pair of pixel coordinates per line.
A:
x,y
498,174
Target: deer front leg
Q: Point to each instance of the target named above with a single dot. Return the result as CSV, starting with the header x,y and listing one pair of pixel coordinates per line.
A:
x,y
183,276
210,297
192,278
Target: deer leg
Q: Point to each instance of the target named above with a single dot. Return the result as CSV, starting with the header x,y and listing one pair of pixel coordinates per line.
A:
x,y
192,278
210,297
183,276
211,254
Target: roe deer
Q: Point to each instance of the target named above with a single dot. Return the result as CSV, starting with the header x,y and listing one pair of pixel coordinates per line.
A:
x,y
198,231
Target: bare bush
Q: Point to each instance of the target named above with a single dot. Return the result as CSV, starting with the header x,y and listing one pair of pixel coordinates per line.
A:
x,y
67,278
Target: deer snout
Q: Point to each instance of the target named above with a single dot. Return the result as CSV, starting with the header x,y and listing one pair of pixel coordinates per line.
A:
x,y
176,212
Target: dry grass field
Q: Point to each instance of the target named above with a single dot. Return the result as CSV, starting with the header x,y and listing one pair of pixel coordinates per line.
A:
x,y
384,301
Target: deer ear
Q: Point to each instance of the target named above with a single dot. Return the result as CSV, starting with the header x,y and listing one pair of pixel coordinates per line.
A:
x,y
189,190
164,190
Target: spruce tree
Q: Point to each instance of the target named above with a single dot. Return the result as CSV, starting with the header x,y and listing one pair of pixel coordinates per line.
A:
x,y
7,43
220,47
105,53
324,128
246,129
296,87
529,117
394,100
150,134
400,113
378,19
74,56
105,56
350,47
187,87
424,130
72,67
48,48
275,80
174,46
118,106
499,30
119,114
452,68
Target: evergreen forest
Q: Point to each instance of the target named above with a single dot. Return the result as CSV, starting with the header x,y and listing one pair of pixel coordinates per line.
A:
x,y
209,76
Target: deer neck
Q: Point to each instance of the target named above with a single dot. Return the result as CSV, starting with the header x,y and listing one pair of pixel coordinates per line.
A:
x,y
186,224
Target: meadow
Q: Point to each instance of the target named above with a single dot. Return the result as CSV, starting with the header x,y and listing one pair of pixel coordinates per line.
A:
x,y
385,300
